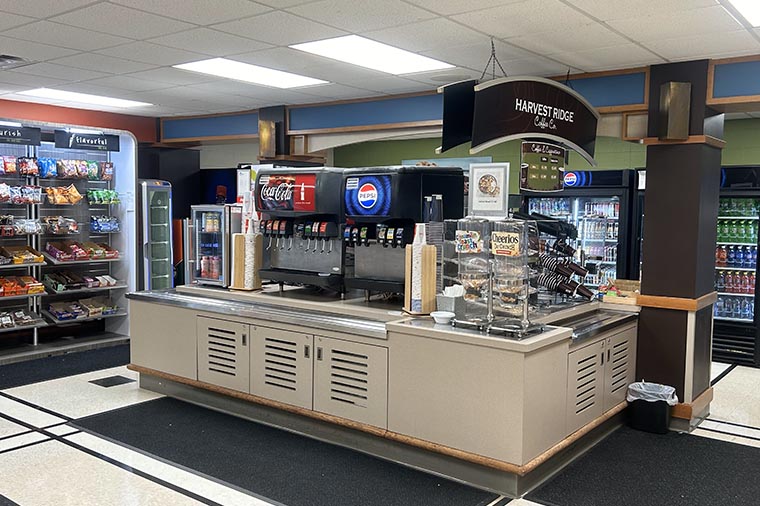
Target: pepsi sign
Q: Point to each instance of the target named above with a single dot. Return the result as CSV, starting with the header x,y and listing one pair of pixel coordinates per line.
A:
x,y
368,196
571,179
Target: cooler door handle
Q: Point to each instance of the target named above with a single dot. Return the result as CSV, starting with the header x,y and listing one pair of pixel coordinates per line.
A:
x,y
306,351
245,339
319,353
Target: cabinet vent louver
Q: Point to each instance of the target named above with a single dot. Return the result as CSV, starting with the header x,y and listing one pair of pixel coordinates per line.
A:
x,y
619,362
222,351
349,378
586,382
280,363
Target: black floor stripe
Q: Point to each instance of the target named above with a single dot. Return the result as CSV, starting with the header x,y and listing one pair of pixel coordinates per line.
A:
x,y
723,374
27,445
731,423
105,458
14,435
38,408
730,434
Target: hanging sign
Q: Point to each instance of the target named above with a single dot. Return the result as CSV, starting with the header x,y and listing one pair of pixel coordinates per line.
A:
x,y
286,192
90,142
533,108
458,103
542,167
20,135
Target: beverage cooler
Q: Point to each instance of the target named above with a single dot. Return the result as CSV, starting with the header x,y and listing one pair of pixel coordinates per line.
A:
x,y
156,259
208,241
600,204
735,329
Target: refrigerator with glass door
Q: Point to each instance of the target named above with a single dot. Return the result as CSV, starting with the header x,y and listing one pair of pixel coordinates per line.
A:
x,y
157,263
208,241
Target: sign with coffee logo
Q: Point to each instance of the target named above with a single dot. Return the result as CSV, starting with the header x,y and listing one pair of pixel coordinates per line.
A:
x,y
286,192
20,135
90,142
533,108
542,167
505,244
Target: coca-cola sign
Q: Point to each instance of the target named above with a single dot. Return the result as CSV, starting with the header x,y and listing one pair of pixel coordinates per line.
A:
x,y
285,192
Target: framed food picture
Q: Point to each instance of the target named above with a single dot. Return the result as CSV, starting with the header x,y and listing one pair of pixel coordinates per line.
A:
x,y
489,189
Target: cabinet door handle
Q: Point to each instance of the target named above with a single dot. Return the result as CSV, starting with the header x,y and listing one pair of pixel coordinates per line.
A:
x,y
245,339
319,353
306,351
608,355
602,358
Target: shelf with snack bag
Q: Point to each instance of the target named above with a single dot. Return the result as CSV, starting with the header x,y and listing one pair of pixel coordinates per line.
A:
x,y
93,308
19,287
20,319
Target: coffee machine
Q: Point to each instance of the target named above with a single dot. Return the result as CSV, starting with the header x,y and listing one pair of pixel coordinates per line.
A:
x,y
381,206
301,222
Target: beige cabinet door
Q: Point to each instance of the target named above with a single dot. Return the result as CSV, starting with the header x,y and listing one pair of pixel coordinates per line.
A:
x,y
585,385
351,380
619,367
223,356
282,365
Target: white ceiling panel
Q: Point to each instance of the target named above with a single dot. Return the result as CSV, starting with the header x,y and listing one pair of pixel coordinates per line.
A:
x,y
392,84
27,80
32,50
72,37
627,55
129,83
200,12
36,100
683,24
93,61
607,10
534,66
702,46
524,18
152,54
60,72
282,4
11,88
279,28
174,76
426,35
590,36
339,91
123,21
282,58
448,7
475,56
41,8
362,15
8,21
210,42
94,89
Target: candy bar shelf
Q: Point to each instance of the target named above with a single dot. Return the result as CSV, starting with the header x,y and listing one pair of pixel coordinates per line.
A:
x,y
47,314
36,325
19,297
20,266
51,293
54,261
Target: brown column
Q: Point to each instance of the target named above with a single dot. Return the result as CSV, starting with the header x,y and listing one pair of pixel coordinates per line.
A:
x,y
680,220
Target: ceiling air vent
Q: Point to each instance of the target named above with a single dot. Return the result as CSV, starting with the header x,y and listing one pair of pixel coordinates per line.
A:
x,y
8,62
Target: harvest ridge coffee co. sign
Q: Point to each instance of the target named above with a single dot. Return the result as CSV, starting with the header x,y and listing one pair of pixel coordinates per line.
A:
x,y
519,108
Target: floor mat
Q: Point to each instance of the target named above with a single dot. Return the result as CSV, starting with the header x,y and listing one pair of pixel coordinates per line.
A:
x,y
60,366
285,467
637,468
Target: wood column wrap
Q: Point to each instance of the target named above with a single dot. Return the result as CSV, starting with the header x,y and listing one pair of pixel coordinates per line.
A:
x,y
677,303
687,411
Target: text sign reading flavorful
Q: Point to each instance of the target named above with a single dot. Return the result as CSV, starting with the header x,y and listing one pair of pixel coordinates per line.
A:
x,y
368,196
90,142
286,192
20,135
542,167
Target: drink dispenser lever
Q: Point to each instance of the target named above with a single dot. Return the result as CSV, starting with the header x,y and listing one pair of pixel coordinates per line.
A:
x,y
307,234
331,233
323,235
315,233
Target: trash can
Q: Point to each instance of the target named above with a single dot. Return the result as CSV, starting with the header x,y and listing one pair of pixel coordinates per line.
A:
x,y
649,406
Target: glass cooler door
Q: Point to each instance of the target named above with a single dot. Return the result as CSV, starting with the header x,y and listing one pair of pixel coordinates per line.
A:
x,y
209,230
160,270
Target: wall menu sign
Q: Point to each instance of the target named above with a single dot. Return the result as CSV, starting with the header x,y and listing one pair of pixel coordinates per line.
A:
x,y
286,192
533,108
20,135
542,167
91,142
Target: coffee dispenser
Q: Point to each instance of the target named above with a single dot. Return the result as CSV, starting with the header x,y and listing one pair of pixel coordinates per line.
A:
x,y
381,206
301,223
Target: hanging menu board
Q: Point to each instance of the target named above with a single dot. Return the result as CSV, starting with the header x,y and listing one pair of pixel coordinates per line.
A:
x,y
90,142
542,167
20,135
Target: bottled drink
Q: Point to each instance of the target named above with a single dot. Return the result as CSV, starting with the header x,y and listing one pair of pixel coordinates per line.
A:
x,y
746,309
728,282
205,267
751,282
736,307
726,234
720,282
753,251
717,255
731,257
744,283
723,254
734,231
738,256
719,310
731,207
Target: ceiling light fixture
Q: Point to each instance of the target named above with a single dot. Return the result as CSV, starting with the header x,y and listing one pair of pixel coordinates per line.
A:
x,y
84,98
372,55
11,124
749,9
239,71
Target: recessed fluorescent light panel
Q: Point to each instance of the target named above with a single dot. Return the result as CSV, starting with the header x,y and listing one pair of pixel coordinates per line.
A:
x,y
239,71
749,9
11,124
83,98
372,55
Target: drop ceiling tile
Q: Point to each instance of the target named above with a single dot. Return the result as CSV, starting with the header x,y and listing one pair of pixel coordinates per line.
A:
x,y
226,86
706,45
445,76
282,58
448,7
96,89
6,88
475,56
534,66
524,18
283,4
152,54
279,28
129,83
200,12
337,72
607,10
683,24
337,92
627,55
29,81
93,61
392,84
57,34
32,50
362,15
34,100
41,8
174,76
426,35
210,42
120,20
8,21
590,36
59,72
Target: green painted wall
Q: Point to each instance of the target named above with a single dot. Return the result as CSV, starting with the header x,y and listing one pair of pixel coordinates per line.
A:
x,y
742,148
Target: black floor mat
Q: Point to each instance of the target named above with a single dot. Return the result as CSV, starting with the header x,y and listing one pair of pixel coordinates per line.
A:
x,y
60,366
275,464
633,468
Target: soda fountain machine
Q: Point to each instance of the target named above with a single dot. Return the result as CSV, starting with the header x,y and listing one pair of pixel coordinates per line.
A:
x,y
301,222
381,206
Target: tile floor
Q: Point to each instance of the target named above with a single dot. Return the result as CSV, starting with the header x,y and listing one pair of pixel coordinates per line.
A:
x,y
39,450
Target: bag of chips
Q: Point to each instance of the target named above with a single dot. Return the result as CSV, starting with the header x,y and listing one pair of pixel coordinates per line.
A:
x,y
5,192
47,167
9,165
67,169
93,171
27,166
106,171
82,169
